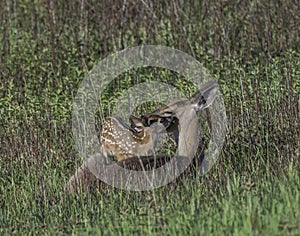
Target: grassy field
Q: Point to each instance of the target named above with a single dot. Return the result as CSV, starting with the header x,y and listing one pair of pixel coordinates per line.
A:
x,y
251,49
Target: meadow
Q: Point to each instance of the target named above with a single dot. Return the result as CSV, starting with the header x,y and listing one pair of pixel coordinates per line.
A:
x,y
250,48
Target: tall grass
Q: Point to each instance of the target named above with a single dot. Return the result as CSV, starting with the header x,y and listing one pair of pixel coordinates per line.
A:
x,y
251,48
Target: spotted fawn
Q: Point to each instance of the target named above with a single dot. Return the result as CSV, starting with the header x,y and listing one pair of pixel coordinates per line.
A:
x,y
121,141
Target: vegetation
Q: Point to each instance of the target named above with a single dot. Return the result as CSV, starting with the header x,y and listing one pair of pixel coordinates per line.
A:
x,y
250,47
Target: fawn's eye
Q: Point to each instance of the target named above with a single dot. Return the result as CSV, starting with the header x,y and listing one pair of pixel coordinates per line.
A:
x,y
138,128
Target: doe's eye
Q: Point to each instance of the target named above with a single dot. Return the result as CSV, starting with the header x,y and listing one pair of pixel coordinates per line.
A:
x,y
153,121
168,113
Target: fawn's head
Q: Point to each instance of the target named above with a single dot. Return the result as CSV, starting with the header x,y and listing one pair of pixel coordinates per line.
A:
x,y
141,128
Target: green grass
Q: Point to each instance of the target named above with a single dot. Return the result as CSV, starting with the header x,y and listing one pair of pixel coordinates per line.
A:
x,y
250,48
223,204
253,188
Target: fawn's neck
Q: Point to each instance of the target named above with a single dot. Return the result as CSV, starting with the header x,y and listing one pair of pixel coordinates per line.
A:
x,y
143,137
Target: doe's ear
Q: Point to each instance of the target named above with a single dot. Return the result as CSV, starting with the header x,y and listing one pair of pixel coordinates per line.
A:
x,y
205,96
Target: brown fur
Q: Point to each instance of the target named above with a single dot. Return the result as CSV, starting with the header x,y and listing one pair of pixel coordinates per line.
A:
x,y
183,124
121,141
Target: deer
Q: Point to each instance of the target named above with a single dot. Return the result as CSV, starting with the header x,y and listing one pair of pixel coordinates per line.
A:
x,y
184,123
121,141
178,118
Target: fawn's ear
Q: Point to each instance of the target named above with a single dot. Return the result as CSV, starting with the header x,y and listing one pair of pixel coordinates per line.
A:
x,y
205,96
136,121
136,124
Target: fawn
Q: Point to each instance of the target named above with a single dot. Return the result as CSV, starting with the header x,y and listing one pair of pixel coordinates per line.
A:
x,y
122,141
178,118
